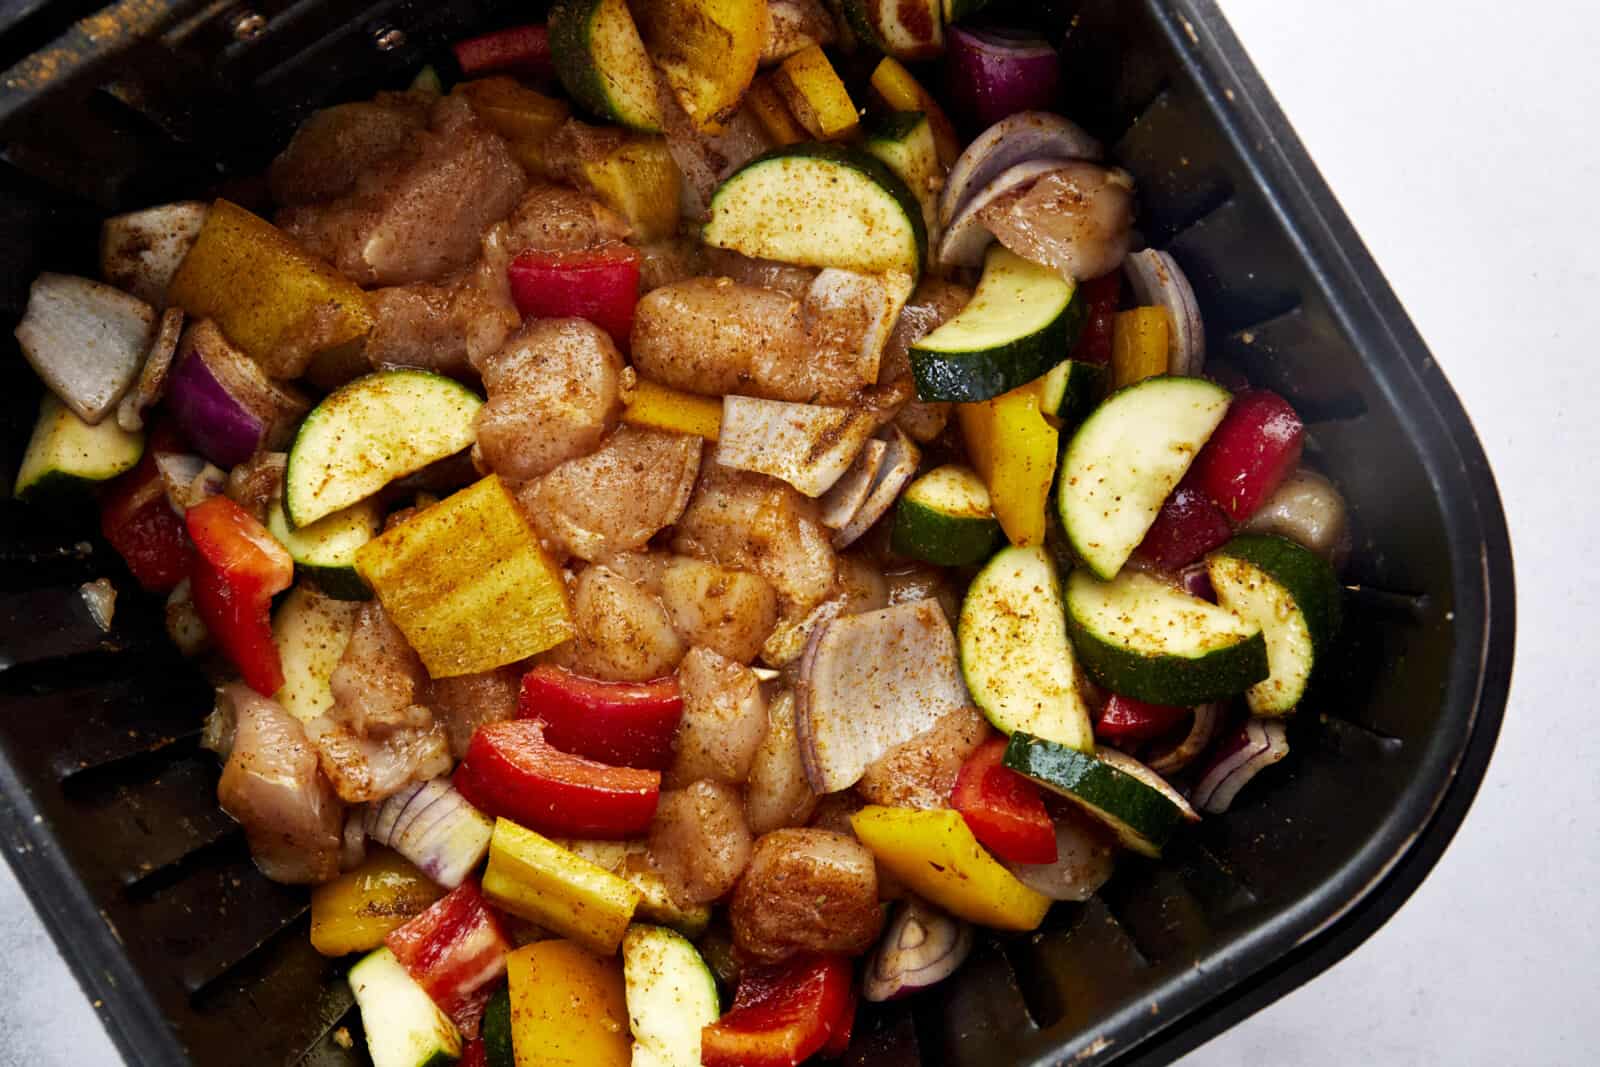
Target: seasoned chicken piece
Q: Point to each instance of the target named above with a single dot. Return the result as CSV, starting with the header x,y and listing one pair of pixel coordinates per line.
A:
x,y
672,260
468,701
767,273
379,676
553,394
716,336
1077,219
920,773
699,842
806,891
778,794
624,634
727,611
334,147
795,25
705,159
751,522
724,720
420,215
932,304
858,587
272,786
615,499
554,218
443,327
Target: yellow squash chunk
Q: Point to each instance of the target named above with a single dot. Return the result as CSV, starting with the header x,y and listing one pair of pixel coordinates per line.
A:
x,y
526,119
355,911
935,854
273,299
661,407
1014,449
769,109
639,181
468,584
900,91
630,861
1138,345
531,876
707,51
568,1007
812,90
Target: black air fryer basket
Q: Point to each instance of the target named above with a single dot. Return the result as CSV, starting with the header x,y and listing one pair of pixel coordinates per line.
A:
x,y
108,808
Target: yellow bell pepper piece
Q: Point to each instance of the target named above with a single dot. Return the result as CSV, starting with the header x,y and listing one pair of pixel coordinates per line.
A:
x,y
900,91
468,584
568,1007
1014,449
531,876
1138,345
526,119
355,911
661,407
273,299
773,114
630,861
812,90
935,854
639,181
707,51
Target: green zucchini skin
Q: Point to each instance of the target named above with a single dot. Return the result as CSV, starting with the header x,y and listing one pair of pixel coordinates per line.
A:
x,y
1141,817
572,25
496,1030
944,518
1071,390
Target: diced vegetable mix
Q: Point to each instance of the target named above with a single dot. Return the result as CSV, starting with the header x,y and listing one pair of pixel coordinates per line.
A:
x,y
578,616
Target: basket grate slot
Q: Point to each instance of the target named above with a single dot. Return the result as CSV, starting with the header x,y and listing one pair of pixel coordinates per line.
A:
x,y
1237,277
1272,354
41,625
1181,172
978,1018
126,718
885,1035
1076,970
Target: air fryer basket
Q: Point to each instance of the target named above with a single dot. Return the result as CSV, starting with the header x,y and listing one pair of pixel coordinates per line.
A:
x,y
108,809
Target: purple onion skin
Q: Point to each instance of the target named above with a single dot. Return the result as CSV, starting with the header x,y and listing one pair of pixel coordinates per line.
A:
x,y
220,428
991,78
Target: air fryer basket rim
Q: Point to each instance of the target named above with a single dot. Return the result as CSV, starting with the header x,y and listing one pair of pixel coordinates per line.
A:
x,y
1273,956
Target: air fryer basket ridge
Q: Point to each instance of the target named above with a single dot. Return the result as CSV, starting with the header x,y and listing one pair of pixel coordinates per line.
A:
x,y
108,804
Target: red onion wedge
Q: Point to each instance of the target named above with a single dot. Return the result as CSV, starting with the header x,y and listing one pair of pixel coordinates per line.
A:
x,y
966,237
85,340
996,73
152,383
1195,580
1085,858
188,479
1308,509
1134,769
869,682
1257,745
899,464
807,445
353,845
1014,139
434,827
922,947
840,503
1202,731
1157,280
140,251
225,404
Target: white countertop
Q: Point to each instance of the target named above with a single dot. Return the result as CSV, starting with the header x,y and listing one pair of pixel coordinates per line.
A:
x,y
1460,136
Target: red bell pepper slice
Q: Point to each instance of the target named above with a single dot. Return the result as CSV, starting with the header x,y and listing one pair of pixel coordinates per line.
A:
x,y
1124,719
1188,526
1101,296
137,521
511,770
474,1055
456,951
782,1014
838,1042
513,50
1004,810
601,285
627,724
238,568
1250,454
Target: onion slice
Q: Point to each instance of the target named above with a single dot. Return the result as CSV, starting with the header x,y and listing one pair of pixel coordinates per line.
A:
x,y
152,382
141,251
1202,731
1014,139
1134,769
224,403
1085,860
900,461
840,503
85,340
967,237
1257,745
434,827
1157,280
188,479
922,947
807,445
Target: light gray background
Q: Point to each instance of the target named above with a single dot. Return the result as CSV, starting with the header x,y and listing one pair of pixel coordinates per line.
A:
x,y
1460,136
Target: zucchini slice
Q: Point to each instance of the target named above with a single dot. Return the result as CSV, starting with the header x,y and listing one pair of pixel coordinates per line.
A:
x,y
945,518
1293,595
1143,817
905,29
602,62
671,996
1015,656
499,1049
66,454
1142,638
404,1027
905,144
366,434
326,549
1015,328
1128,455
820,205
1071,390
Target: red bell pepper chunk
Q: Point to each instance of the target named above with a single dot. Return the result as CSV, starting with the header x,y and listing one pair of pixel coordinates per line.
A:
x,y
1004,810
137,521
456,951
238,568
782,1014
1124,719
601,285
476,1054
627,724
839,1041
1102,296
1250,454
511,770
513,50
1188,526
